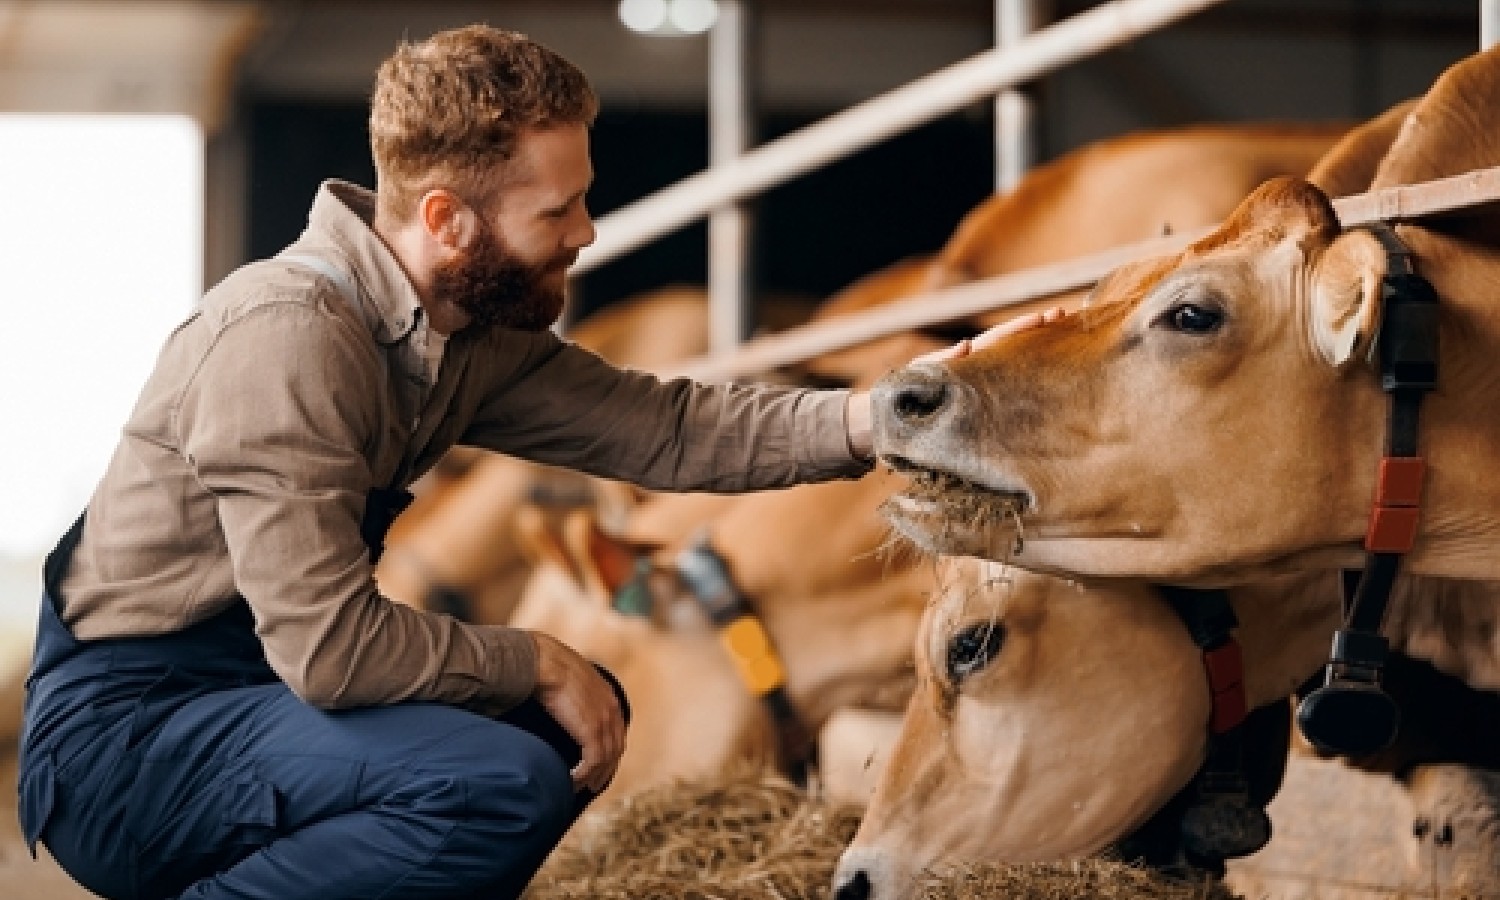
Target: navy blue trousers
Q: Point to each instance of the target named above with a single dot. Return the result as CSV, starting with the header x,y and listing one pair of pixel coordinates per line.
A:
x,y
180,766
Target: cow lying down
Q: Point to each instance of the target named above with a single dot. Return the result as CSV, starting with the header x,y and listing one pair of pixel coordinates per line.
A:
x,y
1057,720
825,621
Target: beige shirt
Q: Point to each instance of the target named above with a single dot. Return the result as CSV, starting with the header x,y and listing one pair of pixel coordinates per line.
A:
x,y
277,405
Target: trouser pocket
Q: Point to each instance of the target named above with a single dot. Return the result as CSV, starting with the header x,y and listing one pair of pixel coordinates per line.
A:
x,y
183,839
38,789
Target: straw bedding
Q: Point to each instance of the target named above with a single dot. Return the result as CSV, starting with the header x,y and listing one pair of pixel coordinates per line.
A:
x,y
754,835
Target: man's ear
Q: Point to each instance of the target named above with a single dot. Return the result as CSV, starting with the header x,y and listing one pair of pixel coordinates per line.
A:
x,y
1346,297
447,219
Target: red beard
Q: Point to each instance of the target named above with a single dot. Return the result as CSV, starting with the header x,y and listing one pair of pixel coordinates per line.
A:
x,y
500,290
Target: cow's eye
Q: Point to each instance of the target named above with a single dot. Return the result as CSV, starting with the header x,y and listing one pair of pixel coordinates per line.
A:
x,y
1193,318
973,648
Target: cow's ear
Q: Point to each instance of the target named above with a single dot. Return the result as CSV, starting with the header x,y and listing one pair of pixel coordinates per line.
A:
x,y
539,539
605,562
1346,297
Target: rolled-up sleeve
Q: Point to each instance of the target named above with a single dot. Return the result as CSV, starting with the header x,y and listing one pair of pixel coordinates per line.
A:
x,y
273,423
565,406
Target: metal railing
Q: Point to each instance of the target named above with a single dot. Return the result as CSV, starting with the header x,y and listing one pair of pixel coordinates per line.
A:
x,y
1480,187
877,119
1021,57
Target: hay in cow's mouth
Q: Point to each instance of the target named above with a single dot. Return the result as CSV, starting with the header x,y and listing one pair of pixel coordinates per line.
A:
x,y
957,502
959,496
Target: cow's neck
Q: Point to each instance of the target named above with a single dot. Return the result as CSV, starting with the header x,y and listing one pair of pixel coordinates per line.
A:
x,y
1460,435
1285,626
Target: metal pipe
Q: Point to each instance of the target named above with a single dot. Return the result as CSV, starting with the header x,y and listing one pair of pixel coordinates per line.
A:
x,y
731,114
1489,23
867,123
1014,119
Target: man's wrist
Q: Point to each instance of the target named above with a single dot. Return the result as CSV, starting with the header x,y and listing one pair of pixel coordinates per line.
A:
x,y
859,422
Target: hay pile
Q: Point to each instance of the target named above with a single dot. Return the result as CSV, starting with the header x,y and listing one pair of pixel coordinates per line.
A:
x,y
747,836
754,836
1095,879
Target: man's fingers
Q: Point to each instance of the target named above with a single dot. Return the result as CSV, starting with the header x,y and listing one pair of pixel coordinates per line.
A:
x,y
1018,324
601,748
943,354
987,339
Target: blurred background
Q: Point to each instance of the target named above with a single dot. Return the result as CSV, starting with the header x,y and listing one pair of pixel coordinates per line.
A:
x,y
147,147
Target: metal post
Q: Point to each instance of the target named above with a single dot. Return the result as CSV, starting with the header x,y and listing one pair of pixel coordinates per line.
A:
x,y
1489,23
731,113
1014,19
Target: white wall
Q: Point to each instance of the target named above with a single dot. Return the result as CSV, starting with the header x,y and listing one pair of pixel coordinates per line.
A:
x,y
100,256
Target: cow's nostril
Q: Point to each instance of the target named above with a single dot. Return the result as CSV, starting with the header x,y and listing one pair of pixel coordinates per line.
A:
x,y
920,399
855,887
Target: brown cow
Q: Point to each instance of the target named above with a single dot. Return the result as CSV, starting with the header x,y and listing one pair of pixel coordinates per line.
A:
x,y
1053,719
1122,190
1211,417
839,615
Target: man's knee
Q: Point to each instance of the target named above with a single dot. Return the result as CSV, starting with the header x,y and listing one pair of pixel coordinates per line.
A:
x,y
514,810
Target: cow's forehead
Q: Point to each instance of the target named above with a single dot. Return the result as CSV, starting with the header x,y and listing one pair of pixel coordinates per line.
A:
x,y
1277,211
1127,286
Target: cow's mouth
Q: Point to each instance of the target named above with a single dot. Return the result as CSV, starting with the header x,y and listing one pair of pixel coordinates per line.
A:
x,y
941,493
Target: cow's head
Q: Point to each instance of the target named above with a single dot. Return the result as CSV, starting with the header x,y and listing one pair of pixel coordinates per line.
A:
x,y
681,727
1052,719
1025,738
1209,415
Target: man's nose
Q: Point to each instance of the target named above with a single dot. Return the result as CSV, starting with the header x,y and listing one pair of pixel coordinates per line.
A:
x,y
583,231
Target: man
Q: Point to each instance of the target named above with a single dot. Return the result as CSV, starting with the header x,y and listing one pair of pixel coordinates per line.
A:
x,y
222,704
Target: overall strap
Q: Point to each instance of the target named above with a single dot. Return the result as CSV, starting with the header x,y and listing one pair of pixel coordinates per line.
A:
x,y
382,505
340,279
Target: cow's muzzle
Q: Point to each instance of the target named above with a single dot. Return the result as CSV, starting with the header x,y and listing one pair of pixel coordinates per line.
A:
x,y
865,873
912,402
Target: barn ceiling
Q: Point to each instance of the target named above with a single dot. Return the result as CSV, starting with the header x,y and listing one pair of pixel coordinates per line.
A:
x,y
193,56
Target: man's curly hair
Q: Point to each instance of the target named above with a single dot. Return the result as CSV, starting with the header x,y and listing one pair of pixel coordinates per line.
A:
x,y
447,110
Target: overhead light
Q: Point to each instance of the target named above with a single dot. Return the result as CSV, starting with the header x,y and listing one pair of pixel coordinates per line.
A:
x,y
693,16
645,16
666,17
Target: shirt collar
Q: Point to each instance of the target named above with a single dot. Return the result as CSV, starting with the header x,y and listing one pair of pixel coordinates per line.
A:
x,y
341,218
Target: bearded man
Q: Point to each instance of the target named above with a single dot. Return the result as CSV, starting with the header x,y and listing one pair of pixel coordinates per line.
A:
x,y
222,703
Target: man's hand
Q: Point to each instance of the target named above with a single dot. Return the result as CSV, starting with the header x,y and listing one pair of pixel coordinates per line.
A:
x,y
1004,329
577,696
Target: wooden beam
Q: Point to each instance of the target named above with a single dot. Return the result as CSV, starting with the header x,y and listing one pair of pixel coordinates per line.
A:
x,y
1446,196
